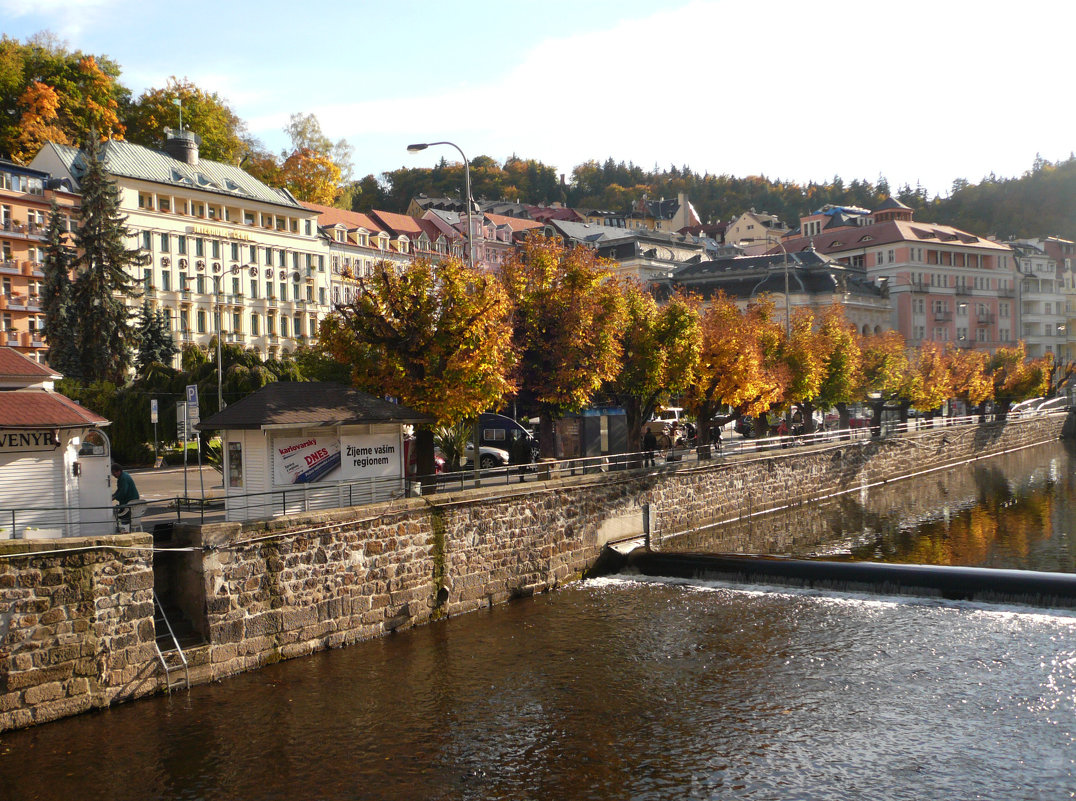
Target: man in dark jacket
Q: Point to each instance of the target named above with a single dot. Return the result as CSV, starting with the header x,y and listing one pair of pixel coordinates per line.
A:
x,y
650,444
126,491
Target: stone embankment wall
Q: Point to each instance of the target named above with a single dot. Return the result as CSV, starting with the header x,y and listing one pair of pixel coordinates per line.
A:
x,y
76,626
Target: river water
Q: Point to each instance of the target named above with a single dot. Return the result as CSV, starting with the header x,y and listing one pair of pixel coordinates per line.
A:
x,y
621,688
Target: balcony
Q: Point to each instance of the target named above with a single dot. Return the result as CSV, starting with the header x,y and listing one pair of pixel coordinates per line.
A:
x,y
989,318
963,290
10,268
33,269
1006,293
11,338
919,286
943,317
33,303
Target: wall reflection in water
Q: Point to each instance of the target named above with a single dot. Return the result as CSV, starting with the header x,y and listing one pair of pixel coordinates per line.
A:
x,y
1011,511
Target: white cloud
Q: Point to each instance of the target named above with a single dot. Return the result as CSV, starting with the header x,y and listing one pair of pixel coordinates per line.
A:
x,y
68,18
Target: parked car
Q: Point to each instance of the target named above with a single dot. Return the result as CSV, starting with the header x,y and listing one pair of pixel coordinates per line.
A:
x,y
488,457
500,432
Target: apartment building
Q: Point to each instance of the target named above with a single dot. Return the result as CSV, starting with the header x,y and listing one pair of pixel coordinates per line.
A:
x,y
1042,300
226,252
944,284
25,198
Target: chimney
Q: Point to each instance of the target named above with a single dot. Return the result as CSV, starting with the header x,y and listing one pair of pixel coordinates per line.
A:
x,y
182,145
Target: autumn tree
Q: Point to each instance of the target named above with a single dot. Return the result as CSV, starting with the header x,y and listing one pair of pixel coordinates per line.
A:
x,y
436,336
311,176
659,350
886,372
843,370
568,312
105,337
931,382
1016,378
806,353
49,92
206,113
970,380
734,368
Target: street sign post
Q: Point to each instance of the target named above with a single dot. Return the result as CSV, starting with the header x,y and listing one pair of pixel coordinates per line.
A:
x,y
153,419
192,421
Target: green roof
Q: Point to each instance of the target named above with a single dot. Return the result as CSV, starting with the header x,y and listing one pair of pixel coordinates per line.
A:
x,y
134,161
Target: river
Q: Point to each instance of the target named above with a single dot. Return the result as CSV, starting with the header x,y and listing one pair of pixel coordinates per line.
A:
x,y
622,688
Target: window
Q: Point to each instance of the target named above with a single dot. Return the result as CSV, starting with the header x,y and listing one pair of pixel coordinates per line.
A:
x,y
253,254
199,247
297,326
164,204
201,321
215,249
270,324
147,240
321,295
200,281
182,282
235,251
283,291
253,288
166,280
254,325
980,334
269,289
237,322
147,279
235,284
164,243
181,244
283,326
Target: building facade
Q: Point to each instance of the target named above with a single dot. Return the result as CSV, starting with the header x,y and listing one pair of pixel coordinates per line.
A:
x,y
226,253
945,285
25,198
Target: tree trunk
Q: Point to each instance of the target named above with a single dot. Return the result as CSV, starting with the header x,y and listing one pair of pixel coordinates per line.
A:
x,y
844,416
807,410
545,432
633,413
424,464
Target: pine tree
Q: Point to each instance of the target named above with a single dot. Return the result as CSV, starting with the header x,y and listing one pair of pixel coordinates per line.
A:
x,y
155,343
60,328
105,334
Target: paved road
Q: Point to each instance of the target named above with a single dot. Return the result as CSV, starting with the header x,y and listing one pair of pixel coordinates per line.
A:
x,y
161,487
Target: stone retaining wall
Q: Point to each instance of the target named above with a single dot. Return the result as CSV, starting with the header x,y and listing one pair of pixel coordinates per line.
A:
x,y
76,629
76,626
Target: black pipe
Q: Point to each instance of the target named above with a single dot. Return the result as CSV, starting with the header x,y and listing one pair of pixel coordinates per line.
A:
x,y
951,583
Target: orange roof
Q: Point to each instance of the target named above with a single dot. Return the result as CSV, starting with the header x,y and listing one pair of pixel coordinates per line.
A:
x,y
39,408
398,223
15,364
515,223
328,216
855,237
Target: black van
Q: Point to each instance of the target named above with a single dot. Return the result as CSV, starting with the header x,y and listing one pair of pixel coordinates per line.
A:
x,y
498,431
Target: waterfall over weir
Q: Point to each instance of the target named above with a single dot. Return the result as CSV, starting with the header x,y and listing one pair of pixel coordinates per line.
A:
x,y
987,585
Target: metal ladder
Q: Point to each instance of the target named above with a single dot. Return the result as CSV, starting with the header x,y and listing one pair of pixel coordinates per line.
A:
x,y
172,658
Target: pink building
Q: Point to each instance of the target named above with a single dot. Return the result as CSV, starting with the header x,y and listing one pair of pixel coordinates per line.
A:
x,y
944,284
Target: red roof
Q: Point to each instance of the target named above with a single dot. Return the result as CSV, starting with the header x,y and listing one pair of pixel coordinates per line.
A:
x,y
13,364
855,237
397,223
515,223
328,216
39,408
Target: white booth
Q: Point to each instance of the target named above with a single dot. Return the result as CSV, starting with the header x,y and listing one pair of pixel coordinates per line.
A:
x,y
54,457
293,447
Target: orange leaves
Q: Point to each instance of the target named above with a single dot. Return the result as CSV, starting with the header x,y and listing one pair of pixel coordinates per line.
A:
x,y
435,336
568,314
311,176
38,122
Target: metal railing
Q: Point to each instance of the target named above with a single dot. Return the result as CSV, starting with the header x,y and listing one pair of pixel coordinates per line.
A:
x,y
54,522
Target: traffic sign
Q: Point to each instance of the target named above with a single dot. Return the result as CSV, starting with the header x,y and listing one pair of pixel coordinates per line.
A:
x,y
153,410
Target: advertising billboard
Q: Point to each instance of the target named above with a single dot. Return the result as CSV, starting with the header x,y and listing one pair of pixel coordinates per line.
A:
x,y
305,460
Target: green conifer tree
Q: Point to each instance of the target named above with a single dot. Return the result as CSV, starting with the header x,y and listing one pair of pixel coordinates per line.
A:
x,y
60,327
155,343
106,336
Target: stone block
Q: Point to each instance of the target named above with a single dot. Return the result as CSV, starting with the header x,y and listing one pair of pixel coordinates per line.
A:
x,y
264,623
225,653
43,692
297,618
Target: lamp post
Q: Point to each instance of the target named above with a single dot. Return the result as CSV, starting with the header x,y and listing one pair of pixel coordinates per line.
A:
x,y
415,148
220,333
788,300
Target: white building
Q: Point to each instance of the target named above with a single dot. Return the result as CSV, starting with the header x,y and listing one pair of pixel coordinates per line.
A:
x,y
226,251
54,459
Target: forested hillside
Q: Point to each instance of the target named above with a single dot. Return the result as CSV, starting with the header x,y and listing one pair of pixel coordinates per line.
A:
x,y
48,92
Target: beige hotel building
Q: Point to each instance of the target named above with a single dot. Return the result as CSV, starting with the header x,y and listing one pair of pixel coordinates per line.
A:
x,y
226,252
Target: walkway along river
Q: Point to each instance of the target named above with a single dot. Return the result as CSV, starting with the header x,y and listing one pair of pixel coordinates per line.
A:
x,y
624,688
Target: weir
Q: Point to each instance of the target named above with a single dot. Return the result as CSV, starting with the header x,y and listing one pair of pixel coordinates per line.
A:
x,y
987,585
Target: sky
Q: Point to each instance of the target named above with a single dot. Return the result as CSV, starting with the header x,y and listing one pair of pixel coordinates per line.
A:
x,y
921,92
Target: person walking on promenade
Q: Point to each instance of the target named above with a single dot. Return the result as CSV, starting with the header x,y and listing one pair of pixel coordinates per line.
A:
x,y
650,444
126,491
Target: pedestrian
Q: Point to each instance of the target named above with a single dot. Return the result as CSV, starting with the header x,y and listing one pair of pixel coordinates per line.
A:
x,y
126,491
521,454
650,444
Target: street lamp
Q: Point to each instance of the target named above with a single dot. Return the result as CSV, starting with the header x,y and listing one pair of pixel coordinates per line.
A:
x,y
788,301
415,148
467,189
